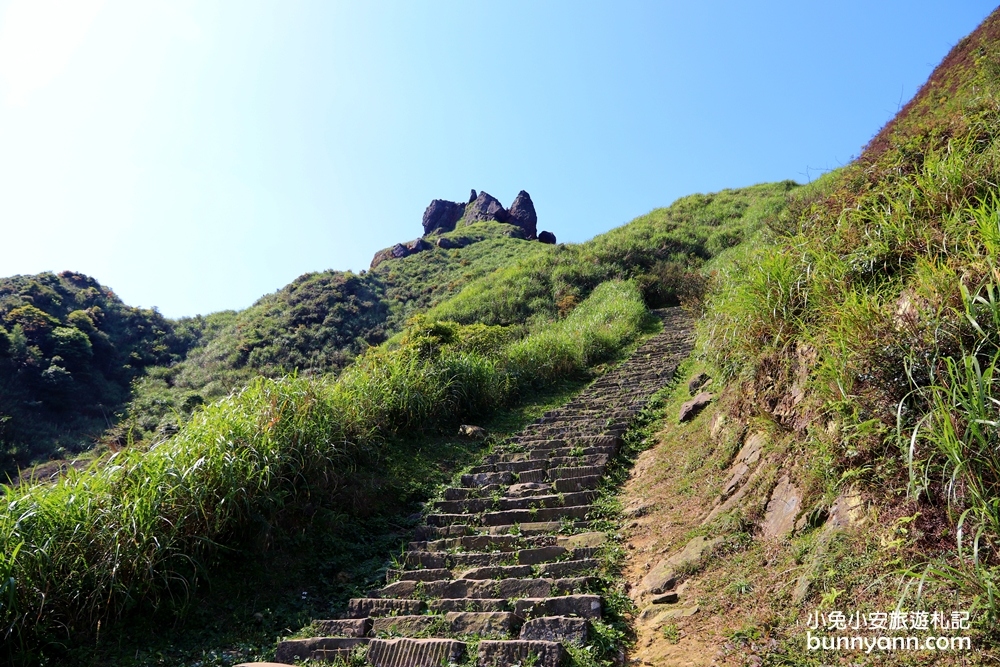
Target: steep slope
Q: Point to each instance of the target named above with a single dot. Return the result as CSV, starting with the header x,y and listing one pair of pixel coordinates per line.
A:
x,y
848,461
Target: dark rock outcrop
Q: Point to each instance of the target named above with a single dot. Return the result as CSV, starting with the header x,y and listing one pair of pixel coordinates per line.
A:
x,y
522,213
399,250
547,237
472,195
441,215
485,208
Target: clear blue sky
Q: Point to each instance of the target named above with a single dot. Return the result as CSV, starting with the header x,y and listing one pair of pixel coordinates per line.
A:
x,y
194,156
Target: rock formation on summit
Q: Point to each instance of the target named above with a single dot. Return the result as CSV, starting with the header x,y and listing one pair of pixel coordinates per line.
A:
x,y
522,213
442,216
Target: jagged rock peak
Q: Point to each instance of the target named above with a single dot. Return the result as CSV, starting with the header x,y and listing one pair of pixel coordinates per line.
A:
x,y
441,215
522,213
472,196
487,208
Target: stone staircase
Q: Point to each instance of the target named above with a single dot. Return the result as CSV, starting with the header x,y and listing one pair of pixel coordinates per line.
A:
x,y
507,559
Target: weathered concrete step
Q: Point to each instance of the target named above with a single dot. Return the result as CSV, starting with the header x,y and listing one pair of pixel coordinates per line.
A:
x,y
572,484
482,624
441,520
472,505
498,572
527,489
575,471
474,543
482,479
571,441
447,605
451,624
343,627
414,652
462,493
563,629
494,653
507,589
425,532
582,606
568,568
532,515
548,501
436,574
503,466
319,649
365,607
599,460
536,528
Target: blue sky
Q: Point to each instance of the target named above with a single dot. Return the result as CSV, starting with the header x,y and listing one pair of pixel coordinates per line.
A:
x,y
194,156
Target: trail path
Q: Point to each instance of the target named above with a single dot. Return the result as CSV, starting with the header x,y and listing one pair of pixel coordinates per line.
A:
x,y
494,561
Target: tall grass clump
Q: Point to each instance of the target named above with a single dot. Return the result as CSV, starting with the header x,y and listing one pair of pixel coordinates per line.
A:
x,y
140,530
592,333
857,311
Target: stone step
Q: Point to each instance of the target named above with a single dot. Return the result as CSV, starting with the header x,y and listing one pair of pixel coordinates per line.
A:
x,y
319,649
568,568
436,574
365,607
507,589
426,532
535,515
414,652
478,605
482,479
405,625
493,653
462,493
547,501
528,489
470,543
563,629
343,627
573,484
441,520
498,572
503,466
471,506
536,527
582,606
575,471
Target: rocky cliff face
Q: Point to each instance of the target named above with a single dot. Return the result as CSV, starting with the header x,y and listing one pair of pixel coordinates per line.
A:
x,y
442,216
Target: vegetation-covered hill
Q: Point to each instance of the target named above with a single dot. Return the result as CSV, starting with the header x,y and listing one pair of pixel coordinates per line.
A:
x,y
69,350
854,351
508,319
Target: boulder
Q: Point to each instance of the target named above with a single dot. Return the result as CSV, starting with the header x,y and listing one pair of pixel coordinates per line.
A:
x,y
547,237
442,215
691,408
697,382
472,432
522,213
485,208
472,196
399,251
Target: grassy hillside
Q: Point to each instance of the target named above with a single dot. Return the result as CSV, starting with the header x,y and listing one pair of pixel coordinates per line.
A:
x,y
858,341
69,349
244,473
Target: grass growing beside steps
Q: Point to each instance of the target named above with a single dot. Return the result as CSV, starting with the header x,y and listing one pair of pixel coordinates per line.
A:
x,y
136,534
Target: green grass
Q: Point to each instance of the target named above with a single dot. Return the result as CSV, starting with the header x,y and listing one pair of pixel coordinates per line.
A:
x,y
141,529
872,299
